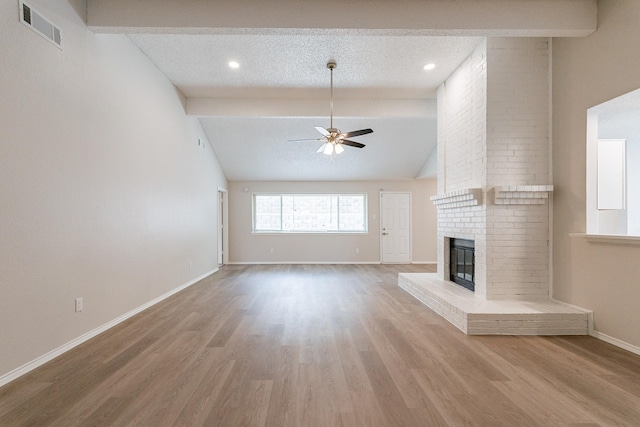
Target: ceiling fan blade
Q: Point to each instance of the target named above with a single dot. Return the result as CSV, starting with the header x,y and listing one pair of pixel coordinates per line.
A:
x,y
351,143
357,133
322,130
307,139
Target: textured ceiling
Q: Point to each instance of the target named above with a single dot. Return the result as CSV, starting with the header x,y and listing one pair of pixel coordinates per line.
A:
x,y
259,149
293,66
279,91
285,65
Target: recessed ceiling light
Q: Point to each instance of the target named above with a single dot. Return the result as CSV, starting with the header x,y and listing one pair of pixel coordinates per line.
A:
x,y
234,64
430,66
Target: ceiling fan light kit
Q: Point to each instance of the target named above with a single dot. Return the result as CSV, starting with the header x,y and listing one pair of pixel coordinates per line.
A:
x,y
330,148
333,139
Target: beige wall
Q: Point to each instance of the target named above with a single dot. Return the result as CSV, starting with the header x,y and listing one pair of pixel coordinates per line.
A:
x,y
104,192
586,72
246,247
443,17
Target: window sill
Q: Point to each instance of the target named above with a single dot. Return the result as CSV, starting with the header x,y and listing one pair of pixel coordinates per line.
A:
x,y
611,239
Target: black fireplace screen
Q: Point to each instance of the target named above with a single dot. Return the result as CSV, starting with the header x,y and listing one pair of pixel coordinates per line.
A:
x,y
462,262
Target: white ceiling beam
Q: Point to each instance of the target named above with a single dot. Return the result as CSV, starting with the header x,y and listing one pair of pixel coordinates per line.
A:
x,y
530,18
203,107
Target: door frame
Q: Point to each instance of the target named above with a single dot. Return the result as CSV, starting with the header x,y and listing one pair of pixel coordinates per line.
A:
x,y
382,192
222,229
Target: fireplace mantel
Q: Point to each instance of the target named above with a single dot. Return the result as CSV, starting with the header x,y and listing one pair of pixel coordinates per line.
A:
x,y
522,194
504,195
458,198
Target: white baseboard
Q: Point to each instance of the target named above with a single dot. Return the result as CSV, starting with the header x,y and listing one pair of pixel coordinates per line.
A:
x,y
599,335
321,262
615,341
302,262
41,360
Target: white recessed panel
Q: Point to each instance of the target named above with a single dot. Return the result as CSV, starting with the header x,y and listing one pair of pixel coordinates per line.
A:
x,y
611,174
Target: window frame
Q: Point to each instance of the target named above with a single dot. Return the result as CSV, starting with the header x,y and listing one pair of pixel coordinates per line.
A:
x,y
364,195
608,226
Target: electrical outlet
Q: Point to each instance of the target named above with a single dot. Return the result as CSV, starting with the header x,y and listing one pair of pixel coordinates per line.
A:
x,y
357,250
190,265
79,305
271,250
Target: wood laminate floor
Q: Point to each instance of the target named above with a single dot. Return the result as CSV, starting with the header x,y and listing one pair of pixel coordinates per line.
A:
x,y
320,345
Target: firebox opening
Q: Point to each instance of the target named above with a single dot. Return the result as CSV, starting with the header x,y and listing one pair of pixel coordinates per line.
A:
x,y
462,262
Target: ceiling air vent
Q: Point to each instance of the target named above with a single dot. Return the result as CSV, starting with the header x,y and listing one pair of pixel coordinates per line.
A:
x,y
40,24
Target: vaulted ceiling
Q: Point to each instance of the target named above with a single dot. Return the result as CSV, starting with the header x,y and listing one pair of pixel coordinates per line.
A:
x,y
280,90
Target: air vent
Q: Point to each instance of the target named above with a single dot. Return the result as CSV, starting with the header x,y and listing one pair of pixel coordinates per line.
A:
x,y
40,24
26,14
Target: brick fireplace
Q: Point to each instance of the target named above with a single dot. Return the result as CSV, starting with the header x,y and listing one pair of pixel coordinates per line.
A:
x,y
494,187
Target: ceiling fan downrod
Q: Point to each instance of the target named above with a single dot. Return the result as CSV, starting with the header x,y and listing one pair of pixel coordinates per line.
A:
x,y
333,138
331,65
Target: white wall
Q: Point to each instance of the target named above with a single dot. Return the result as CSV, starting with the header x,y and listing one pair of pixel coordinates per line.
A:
x,y
587,72
105,192
246,247
633,187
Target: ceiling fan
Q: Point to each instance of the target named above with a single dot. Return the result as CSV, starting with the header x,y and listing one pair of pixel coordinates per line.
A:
x,y
333,139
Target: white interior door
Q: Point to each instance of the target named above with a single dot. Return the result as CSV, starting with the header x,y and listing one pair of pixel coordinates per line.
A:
x,y
395,224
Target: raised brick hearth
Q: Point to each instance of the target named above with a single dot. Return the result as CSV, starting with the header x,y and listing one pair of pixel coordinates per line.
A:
x,y
477,316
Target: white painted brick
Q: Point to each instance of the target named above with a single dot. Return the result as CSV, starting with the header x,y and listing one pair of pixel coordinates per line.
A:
x,y
496,134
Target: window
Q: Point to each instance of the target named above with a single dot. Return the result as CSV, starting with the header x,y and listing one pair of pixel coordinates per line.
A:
x,y
310,213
